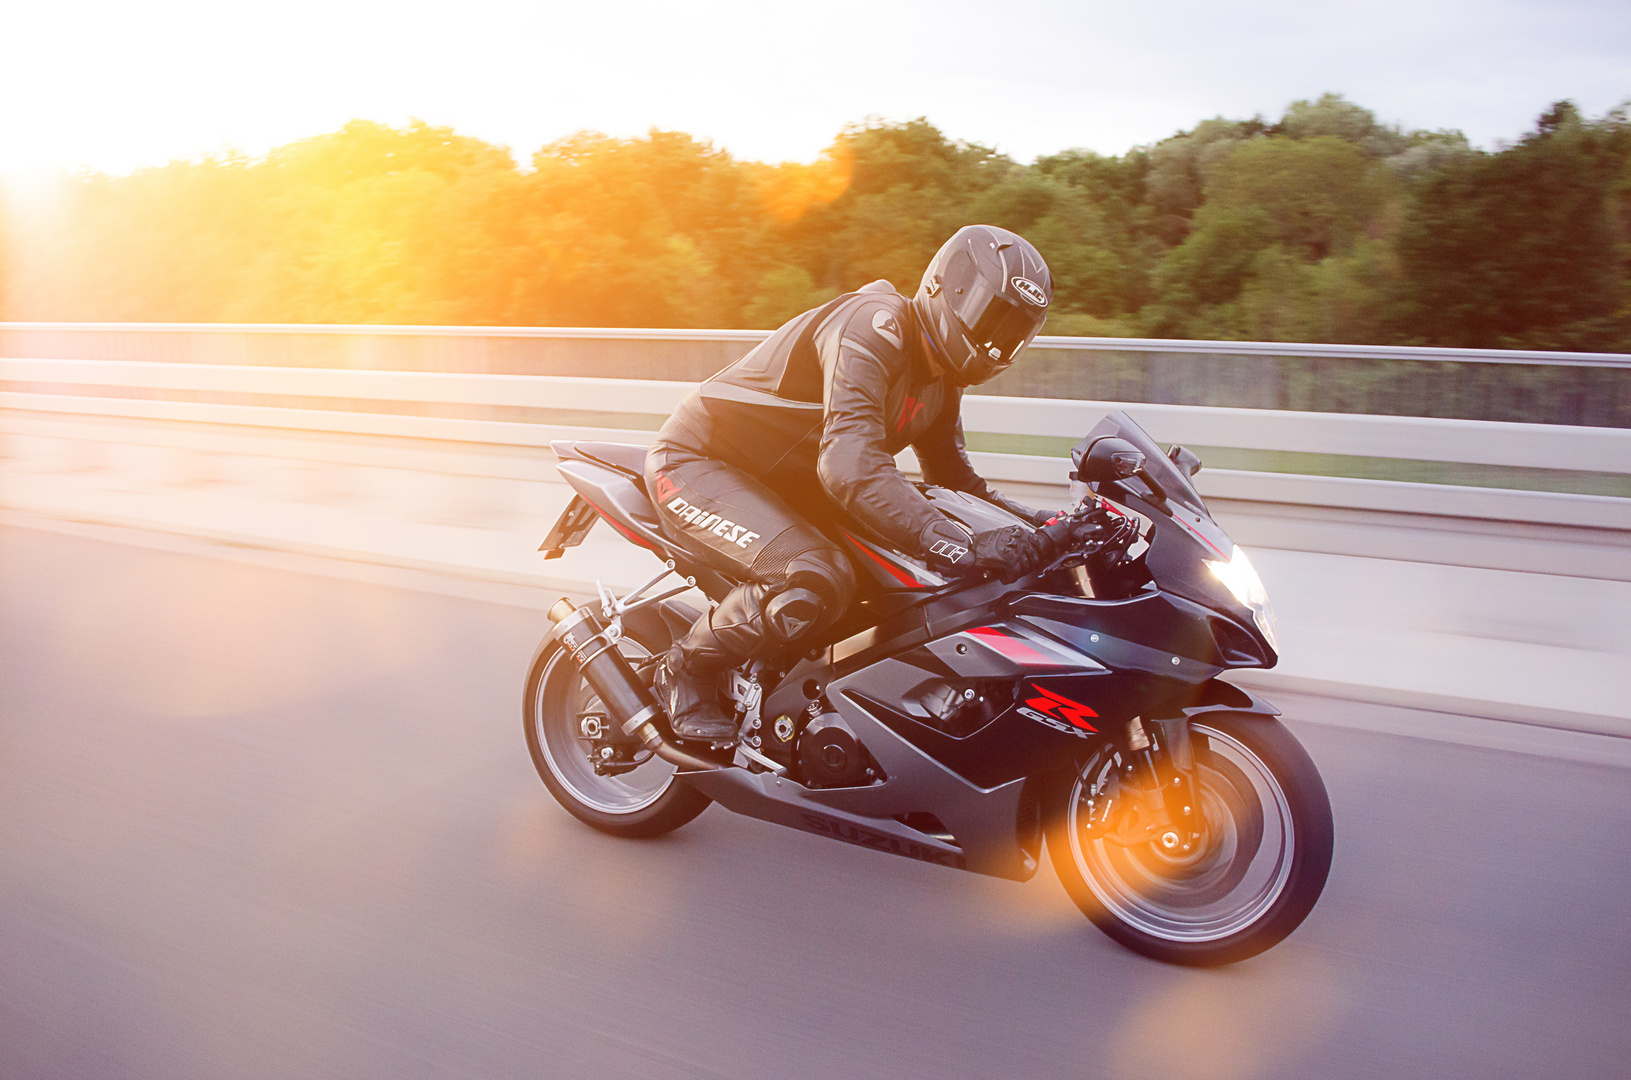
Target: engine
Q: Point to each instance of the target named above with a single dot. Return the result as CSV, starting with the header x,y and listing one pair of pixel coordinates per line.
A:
x,y
830,755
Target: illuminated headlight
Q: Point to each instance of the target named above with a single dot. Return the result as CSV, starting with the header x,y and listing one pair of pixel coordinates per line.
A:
x,y
1240,577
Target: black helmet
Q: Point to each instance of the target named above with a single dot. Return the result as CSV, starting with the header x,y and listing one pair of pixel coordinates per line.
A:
x,y
982,300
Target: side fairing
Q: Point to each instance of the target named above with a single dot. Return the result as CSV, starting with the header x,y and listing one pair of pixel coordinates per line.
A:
x,y
1037,684
992,703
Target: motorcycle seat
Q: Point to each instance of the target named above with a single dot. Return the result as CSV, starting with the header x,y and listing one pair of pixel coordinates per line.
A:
x,y
624,457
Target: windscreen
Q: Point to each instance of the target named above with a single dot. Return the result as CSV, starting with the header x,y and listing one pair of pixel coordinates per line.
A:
x,y
1173,481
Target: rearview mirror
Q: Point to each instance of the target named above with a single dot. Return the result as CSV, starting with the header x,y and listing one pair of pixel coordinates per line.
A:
x,y
1110,459
1188,462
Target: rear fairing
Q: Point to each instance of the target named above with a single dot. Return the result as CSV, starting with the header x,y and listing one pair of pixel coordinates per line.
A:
x,y
608,485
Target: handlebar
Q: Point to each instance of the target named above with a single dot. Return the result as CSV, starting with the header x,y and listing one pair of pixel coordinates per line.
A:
x,y
1089,530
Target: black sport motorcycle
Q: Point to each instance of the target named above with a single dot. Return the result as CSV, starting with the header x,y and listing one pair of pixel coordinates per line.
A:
x,y
960,721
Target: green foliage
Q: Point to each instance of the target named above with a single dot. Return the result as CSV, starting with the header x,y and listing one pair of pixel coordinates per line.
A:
x,y
1526,248
783,293
1324,225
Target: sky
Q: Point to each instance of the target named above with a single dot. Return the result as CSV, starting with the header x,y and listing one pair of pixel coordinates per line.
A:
x,y
115,86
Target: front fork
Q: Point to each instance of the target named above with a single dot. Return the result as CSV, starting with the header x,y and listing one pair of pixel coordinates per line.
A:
x,y
1152,796
1173,769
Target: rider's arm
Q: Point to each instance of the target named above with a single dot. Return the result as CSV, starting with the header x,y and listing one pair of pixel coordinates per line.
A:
x,y
943,454
854,465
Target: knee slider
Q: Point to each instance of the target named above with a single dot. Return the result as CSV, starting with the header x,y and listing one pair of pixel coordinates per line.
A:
x,y
794,612
824,571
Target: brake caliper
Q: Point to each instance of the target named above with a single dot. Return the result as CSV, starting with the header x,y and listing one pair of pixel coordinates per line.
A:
x,y
1151,802
1122,812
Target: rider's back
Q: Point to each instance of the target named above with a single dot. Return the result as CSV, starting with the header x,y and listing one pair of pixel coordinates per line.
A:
x,y
800,394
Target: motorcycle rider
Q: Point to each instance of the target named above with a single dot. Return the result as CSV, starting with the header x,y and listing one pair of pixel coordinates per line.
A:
x,y
813,417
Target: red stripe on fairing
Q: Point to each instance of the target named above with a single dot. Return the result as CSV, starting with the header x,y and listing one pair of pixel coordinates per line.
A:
x,y
1197,534
635,538
899,574
1013,648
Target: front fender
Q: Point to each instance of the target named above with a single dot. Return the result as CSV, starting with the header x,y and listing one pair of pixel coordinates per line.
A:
x,y
1212,696
1215,695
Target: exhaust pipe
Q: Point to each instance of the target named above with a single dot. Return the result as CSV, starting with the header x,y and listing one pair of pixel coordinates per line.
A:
x,y
629,701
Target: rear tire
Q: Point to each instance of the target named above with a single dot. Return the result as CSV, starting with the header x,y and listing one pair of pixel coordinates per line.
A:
x,y
649,800
1259,874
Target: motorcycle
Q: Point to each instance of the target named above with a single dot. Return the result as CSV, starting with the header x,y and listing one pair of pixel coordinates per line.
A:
x,y
961,721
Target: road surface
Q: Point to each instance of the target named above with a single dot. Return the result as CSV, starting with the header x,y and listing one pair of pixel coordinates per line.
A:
x,y
262,823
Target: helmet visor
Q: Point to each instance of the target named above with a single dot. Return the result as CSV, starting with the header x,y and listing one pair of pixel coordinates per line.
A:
x,y
991,320
1006,327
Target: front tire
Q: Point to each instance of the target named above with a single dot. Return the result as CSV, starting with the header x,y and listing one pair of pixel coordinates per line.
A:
x,y
648,801
1269,839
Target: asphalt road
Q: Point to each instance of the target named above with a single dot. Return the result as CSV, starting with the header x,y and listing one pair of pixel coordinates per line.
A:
x,y
257,823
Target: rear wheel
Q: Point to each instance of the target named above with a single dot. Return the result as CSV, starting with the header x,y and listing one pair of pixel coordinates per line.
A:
x,y
646,800
1260,863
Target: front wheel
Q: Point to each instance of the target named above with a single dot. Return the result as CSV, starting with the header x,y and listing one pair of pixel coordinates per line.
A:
x,y
647,800
1264,850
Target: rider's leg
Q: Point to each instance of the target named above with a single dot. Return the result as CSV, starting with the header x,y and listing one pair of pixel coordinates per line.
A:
x,y
753,619
795,581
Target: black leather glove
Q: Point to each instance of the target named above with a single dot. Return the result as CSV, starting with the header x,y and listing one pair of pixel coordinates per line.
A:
x,y
1084,530
1010,553
1088,524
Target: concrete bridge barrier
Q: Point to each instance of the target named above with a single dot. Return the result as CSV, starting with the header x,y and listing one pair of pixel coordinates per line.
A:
x,y
1489,601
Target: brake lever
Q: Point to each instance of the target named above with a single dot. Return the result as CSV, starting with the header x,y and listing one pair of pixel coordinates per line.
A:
x,y
1107,529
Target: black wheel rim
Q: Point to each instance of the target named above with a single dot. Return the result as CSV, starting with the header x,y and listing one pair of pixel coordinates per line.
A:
x,y
1231,885
561,698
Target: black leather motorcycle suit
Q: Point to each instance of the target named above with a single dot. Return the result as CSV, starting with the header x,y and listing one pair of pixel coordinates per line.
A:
x,y
807,422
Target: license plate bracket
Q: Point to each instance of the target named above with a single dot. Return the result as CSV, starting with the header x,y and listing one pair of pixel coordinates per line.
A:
x,y
570,528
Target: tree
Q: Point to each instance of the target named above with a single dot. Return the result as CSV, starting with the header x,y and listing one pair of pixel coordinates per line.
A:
x,y
1323,224
1522,248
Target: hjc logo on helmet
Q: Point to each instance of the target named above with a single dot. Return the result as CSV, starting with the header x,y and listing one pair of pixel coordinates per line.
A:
x,y
1031,291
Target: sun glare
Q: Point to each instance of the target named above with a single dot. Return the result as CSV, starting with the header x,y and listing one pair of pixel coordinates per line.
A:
x,y
795,188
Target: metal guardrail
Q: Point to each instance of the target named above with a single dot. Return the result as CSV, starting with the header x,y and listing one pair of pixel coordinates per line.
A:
x,y
1495,602
200,408
1044,341
1574,389
1414,438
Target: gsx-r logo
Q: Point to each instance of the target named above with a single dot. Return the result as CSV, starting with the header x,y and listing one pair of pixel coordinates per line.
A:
x,y
1059,713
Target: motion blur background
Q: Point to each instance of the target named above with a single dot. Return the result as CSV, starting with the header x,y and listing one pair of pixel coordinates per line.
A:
x,y
1443,174
294,296
1318,223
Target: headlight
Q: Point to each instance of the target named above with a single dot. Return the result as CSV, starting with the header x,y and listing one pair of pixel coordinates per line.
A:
x,y
1240,577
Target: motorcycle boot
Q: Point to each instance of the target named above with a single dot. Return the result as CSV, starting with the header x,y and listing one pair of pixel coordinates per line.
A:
x,y
688,680
691,696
